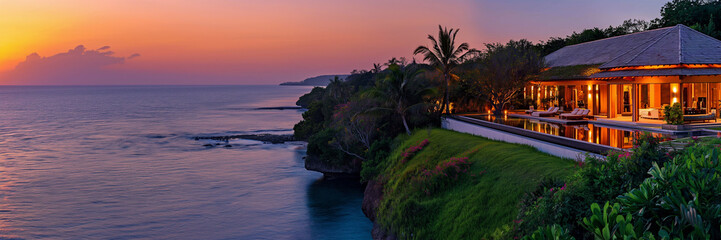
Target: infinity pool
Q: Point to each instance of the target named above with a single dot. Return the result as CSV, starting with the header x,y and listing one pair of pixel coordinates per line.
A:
x,y
593,133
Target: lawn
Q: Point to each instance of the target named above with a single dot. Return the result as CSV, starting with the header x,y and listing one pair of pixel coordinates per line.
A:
x,y
470,206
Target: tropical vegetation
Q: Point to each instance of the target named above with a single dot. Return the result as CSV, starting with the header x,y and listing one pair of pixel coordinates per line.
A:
x,y
445,56
673,114
653,192
440,184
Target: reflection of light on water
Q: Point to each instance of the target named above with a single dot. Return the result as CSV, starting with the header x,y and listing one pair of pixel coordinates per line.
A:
x,y
584,132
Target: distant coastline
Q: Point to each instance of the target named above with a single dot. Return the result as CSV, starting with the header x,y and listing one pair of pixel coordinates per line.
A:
x,y
321,80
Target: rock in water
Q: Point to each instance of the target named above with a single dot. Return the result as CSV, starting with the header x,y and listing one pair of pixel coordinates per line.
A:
x,y
267,138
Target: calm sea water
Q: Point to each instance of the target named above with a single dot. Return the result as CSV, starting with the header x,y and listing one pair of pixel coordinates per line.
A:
x,y
120,163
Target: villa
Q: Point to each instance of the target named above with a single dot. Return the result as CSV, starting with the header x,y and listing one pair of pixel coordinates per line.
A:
x,y
600,94
632,77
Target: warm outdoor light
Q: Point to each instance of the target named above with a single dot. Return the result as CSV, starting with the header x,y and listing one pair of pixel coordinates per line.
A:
x,y
675,90
589,87
674,66
675,100
505,111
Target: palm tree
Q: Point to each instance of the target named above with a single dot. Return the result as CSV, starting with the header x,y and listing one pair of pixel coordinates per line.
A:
x,y
445,56
338,90
377,67
401,93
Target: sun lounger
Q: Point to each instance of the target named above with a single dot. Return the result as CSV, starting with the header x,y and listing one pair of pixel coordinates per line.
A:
x,y
699,117
552,111
530,110
572,113
580,115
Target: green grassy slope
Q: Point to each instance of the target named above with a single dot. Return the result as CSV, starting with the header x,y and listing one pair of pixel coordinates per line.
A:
x,y
472,206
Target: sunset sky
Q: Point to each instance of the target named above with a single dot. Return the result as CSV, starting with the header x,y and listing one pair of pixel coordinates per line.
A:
x,y
261,41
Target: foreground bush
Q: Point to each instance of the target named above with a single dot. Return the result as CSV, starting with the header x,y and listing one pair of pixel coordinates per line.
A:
x,y
679,199
566,201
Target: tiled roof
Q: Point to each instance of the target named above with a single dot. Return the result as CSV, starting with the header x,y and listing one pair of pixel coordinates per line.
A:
x,y
664,46
677,45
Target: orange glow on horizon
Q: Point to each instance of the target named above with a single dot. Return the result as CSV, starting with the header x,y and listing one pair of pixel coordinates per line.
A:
x,y
229,38
247,41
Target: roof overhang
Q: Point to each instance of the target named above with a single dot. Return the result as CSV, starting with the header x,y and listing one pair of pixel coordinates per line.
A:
x,y
659,70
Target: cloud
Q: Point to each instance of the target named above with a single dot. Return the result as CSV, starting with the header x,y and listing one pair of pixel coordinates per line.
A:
x,y
134,55
76,66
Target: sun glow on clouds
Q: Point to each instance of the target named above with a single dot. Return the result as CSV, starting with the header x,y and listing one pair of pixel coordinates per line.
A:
x,y
233,42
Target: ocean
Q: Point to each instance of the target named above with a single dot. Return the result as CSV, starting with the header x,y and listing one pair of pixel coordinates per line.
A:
x,y
121,162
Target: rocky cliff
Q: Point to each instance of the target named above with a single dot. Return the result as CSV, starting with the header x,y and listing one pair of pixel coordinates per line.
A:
x,y
349,169
372,197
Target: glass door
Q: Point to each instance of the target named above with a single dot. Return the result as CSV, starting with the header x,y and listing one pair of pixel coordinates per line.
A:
x,y
626,100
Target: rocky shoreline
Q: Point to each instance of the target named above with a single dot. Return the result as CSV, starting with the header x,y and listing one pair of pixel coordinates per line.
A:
x,y
280,108
351,170
372,195
266,138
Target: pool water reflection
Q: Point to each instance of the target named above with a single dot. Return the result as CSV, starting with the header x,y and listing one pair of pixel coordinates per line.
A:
x,y
604,135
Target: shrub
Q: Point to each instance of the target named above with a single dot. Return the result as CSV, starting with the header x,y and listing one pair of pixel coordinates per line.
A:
x,y
596,181
412,150
673,114
552,232
377,159
608,223
312,122
682,198
318,145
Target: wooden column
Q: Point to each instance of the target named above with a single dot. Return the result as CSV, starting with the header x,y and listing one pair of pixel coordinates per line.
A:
x,y
708,97
589,99
634,102
608,100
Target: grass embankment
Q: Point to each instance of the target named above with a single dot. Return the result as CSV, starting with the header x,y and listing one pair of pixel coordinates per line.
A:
x,y
467,202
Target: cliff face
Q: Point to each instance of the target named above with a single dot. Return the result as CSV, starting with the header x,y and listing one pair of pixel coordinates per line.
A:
x,y
349,169
372,197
